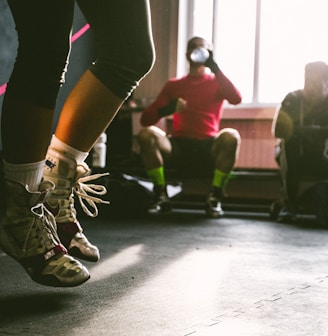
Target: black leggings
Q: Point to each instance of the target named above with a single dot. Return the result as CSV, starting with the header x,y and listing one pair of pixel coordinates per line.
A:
x,y
123,42
300,163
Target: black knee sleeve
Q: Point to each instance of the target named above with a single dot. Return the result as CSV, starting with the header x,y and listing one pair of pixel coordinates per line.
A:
x,y
122,75
123,39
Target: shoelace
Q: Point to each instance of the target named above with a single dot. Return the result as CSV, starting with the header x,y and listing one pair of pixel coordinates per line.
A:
x,y
40,211
81,190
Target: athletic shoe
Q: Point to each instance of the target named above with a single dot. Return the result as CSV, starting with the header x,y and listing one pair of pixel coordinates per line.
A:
x,y
213,207
69,179
161,202
28,235
287,215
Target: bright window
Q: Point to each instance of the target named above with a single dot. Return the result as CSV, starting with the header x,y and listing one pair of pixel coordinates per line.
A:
x,y
202,18
261,45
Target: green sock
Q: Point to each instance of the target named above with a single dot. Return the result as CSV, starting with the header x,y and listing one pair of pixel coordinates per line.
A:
x,y
157,176
220,179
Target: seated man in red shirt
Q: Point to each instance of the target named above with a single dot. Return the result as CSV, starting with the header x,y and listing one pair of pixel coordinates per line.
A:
x,y
195,102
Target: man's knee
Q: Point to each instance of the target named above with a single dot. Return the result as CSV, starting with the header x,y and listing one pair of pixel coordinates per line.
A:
x,y
229,138
150,136
145,136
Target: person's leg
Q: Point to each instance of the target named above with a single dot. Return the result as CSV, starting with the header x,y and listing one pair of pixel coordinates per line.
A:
x,y
155,150
225,150
313,194
28,231
290,164
124,50
125,54
319,203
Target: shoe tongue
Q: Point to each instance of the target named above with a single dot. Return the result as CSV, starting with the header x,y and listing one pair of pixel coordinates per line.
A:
x,y
64,166
59,164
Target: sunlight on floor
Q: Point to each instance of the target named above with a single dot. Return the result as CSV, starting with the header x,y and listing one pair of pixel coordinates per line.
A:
x,y
117,263
230,327
176,296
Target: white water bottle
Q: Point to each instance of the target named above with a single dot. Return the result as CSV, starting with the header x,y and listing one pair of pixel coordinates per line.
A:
x,y
99,152
199,55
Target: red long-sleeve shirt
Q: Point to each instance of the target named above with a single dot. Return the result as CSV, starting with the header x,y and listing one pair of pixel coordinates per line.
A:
x,y
204,95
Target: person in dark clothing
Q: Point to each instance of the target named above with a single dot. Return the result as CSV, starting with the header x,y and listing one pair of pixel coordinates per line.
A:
x,y
301,124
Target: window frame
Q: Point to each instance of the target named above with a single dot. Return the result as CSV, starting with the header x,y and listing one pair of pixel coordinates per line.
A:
x,y
186,30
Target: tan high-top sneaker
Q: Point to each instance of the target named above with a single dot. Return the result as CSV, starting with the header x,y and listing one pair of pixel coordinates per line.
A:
x,y
69,179
28,234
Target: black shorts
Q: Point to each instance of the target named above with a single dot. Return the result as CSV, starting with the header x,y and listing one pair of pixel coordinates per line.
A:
x,y
191,157
305,158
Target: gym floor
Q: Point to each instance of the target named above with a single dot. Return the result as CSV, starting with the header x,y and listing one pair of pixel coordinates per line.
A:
x,y
182,274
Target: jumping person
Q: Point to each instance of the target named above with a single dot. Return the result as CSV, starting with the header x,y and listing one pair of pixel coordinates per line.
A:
x,y
40,229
